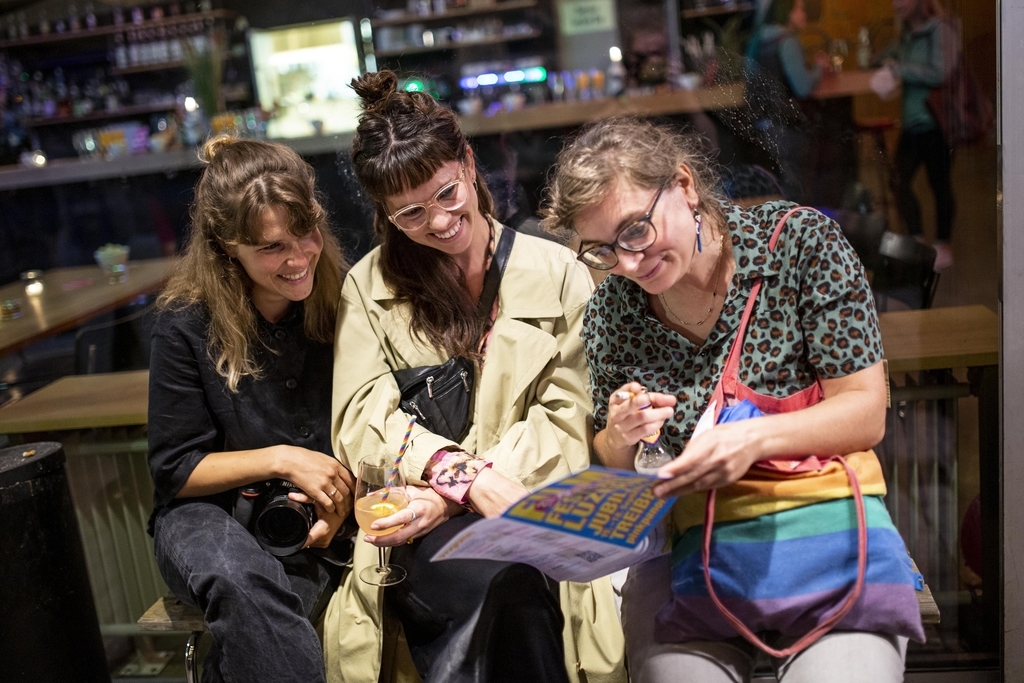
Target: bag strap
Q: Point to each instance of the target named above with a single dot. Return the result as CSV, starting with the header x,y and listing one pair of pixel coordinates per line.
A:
x,y
492,280
837,614
730,377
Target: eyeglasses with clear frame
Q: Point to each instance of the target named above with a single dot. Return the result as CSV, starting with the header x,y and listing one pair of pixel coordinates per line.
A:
x,y
450,197
635,237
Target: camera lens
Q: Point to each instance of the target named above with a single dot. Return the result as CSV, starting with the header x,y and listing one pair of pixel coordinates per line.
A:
x,y
283,526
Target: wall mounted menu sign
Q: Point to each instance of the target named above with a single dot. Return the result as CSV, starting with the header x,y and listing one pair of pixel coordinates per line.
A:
x,y
586,16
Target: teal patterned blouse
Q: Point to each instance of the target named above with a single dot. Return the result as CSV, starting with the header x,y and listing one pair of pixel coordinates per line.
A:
x,y
815,318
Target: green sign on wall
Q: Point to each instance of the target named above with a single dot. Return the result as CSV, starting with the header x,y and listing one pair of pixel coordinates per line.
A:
x,y
586,16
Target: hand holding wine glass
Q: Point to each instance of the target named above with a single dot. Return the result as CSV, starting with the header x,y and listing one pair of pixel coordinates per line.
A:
x,y
380,492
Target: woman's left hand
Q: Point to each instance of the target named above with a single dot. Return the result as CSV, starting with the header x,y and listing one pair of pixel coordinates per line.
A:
x,y
426,511
713,459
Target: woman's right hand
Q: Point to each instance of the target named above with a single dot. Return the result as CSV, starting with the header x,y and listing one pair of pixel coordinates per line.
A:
x,y
426,511
320,476
633,413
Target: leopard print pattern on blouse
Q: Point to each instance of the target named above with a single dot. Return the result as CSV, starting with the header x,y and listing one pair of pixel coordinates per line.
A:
x,y
815,318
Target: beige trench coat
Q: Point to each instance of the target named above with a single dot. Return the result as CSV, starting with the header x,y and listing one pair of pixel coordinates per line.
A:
x,y
531,418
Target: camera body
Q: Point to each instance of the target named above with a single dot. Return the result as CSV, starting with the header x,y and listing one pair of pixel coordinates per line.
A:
x,y
280,524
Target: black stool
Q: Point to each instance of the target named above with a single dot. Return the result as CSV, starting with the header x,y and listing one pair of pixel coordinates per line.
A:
x,y
51,633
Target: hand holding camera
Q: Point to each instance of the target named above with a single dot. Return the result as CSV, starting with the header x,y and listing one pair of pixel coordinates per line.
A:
x,y
306,509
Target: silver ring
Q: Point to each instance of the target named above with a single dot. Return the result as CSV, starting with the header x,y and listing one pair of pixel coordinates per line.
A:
x,y
413,516
333,493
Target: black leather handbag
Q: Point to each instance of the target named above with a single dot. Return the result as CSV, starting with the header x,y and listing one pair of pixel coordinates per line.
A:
x,y
440,396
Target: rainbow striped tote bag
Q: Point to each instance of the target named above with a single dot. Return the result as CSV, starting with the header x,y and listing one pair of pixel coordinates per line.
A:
x,y
804,544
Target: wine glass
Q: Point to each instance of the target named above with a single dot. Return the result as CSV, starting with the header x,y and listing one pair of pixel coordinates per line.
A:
x,y
380,492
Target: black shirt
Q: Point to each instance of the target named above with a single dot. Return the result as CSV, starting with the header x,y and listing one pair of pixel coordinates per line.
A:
x,y
192,412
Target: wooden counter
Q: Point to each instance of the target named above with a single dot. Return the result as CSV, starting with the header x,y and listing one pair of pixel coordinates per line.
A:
x,y
113,399
555,115
72,296
563,114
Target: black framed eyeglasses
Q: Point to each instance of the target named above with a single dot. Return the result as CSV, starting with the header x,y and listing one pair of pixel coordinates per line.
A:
x,y
636,236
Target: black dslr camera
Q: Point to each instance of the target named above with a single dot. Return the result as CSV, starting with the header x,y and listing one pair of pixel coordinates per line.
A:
x,y
279,524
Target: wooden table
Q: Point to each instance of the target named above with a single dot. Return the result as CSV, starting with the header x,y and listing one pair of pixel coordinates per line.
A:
x,y
72,296
562,114
843,84
101,421
939,338
113,399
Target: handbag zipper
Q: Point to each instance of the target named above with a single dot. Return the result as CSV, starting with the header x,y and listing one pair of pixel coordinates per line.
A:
x,y
430,387
465,382
412,404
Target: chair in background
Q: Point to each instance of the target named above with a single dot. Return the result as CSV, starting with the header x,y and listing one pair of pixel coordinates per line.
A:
x,y
119,343
905,272
863,231
748,184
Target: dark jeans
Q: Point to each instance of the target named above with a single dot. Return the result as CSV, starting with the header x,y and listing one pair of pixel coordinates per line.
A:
x,y
257,606
928,148
477,621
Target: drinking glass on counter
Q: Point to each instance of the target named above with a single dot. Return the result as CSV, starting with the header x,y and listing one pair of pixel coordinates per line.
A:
x,y
113,259
33,281
380,492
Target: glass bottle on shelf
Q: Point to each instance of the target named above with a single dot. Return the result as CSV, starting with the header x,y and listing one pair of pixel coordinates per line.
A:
x,y
615,82
22,25
864,48
175,52
90,16
133,48
118,15
74,21
12,28
44,23
120,52
161,52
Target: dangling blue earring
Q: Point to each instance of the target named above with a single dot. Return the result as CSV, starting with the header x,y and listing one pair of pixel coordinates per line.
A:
x,y
696,218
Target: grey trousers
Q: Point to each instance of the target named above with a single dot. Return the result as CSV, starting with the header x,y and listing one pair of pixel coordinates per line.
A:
x,y
838,657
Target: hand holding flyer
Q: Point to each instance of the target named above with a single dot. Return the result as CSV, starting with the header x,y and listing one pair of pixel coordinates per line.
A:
x,y
582,527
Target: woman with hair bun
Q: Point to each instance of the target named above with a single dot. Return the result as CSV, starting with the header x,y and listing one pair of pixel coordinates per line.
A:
x,y
411,302
239,394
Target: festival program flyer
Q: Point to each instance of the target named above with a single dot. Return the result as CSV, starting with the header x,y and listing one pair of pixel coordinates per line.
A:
x,y
579,528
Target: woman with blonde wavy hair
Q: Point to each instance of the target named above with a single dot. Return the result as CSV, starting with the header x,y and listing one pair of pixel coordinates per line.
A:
x,y
707,303
240,392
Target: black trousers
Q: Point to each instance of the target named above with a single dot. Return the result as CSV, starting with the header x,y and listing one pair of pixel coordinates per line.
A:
x,y
928,148
477,621
258,606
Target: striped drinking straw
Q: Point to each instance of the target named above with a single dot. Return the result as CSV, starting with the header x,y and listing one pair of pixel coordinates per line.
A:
x,y
398,459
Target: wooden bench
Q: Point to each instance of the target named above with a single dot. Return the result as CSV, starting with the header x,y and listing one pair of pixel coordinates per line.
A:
x,y
169,614
926,603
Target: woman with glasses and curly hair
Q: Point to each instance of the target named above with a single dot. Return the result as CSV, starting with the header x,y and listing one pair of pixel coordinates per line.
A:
x,y
413,302
659,331
239,393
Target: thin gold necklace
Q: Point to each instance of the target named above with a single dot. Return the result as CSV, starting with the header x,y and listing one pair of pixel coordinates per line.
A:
x,y
714,296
